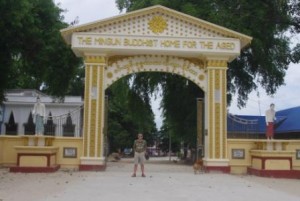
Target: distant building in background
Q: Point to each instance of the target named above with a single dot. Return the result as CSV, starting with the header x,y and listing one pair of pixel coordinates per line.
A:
x,y
63,117
287,125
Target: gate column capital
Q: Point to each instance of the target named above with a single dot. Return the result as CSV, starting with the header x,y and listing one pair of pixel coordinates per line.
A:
x,y
216,63
96,59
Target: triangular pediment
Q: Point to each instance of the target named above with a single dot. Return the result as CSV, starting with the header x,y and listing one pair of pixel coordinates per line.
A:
x,y
157,21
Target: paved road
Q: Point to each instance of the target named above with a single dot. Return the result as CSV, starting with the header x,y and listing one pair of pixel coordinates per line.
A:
x,y
165,181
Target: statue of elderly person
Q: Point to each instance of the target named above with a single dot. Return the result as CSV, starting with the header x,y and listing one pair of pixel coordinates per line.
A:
x,y
270,119
39,111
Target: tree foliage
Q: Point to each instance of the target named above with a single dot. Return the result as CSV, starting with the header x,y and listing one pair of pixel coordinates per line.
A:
x,y
33,53
179,105
263,63
179,99
128,115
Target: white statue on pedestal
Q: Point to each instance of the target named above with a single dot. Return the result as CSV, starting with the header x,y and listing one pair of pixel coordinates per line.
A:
x,y
270,118
39,111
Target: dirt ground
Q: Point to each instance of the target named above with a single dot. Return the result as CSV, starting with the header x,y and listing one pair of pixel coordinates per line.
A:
x,y
165,180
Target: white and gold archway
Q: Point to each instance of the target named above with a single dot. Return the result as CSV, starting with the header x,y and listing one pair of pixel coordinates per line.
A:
x,y
155,39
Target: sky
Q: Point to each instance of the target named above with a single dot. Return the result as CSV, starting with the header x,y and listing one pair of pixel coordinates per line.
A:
x,y
287,96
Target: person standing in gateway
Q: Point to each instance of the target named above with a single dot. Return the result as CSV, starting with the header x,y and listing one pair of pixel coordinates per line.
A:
x,y
270,118
39,110
139,148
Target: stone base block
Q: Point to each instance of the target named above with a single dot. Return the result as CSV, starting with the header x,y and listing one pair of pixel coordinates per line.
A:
x,y
34,169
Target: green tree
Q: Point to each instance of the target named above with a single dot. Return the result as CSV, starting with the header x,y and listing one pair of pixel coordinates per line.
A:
x,y
265,61
33,53
128,115
179,107
178,104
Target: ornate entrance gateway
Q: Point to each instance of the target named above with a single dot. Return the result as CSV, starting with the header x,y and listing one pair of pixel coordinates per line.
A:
x,y
155,39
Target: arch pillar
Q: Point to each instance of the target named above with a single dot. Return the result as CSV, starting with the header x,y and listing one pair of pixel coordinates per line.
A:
x,y
93,150
216,113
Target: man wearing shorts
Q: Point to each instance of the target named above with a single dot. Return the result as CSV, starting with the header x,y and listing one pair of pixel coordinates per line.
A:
x,y
139,148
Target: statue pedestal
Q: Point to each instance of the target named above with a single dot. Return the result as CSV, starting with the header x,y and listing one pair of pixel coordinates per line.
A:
x,y
273,145
269,146
36,156
38,140
272,164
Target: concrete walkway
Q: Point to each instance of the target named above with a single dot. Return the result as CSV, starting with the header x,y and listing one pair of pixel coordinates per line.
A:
x,y
165,181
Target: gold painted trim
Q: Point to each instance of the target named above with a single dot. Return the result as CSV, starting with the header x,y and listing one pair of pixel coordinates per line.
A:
x,y
187,67
211,114
93,128
114,59
86,111
201,77
217,125
93,84
95,59
109,75
224,108
196,61
217,111
217,79
216,63
100,120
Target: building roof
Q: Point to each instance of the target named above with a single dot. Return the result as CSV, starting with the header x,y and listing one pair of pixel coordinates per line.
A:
x,y
245,123
287,121
28,96
24,92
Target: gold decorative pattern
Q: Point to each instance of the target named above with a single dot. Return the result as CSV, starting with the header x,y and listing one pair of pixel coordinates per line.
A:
x,y
216,63
101,113
121,66
115,59
157,24
93,127
197,27
219,108
93,112
217,111
217,79
201,77
94,59
94,76
224,108
197,62
86,111
211,113
217,130
109,75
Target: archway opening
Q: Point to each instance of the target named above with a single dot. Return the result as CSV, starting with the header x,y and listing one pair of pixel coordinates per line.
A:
x,y
130,112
